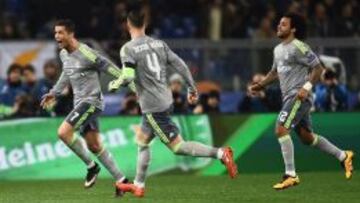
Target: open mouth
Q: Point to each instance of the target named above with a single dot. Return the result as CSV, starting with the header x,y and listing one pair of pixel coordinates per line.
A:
x,y
59,42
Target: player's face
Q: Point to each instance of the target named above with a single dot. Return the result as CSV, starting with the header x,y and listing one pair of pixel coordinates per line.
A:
x,y
284,28
62,36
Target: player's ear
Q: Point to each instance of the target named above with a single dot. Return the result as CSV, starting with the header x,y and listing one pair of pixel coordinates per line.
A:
x,y
293,30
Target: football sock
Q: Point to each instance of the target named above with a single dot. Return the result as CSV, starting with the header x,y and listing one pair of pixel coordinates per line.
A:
x,y
326,146
142,165
196,149
107,160
80,150
287,150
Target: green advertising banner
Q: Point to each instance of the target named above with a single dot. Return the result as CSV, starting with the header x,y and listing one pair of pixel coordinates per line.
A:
x,y
256,148
30,148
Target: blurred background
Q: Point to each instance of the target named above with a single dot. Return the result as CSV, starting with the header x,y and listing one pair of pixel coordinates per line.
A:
x,y
227,45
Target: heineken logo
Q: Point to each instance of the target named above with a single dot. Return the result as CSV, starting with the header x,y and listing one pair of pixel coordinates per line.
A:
x,y
30,153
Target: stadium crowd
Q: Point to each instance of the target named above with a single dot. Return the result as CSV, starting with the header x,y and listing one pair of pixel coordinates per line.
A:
x,y
213,19
21,91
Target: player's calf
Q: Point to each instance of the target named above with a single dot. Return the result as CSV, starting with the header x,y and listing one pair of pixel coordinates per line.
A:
x,y
306,137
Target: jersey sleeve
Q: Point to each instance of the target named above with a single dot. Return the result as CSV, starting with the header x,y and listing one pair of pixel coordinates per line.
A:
x,y
127,57
179,65
100,62
274,65
305,55
128,64
60,85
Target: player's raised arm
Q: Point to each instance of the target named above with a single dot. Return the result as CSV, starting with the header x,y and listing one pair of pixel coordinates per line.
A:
x,y
180,66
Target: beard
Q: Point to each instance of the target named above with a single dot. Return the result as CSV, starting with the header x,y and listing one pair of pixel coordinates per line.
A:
x,y
283,35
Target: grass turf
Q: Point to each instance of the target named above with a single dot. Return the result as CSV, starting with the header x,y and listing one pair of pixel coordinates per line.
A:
x,y
314,187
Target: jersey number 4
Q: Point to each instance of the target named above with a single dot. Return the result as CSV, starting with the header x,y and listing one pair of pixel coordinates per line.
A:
x,y
153,64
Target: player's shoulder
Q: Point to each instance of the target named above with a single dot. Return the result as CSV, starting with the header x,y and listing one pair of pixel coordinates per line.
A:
x,y
63,54
300,46
277,48
87,52
124,50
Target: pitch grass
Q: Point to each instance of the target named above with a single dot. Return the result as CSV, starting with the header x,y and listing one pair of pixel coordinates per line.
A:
x,y
314,187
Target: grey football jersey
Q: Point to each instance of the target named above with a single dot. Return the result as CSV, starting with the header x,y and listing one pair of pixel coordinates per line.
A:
x,y
153,59
81,70
293,63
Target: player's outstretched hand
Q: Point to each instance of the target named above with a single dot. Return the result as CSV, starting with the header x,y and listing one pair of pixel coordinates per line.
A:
x,y
193,97
48,101
115,84
302,94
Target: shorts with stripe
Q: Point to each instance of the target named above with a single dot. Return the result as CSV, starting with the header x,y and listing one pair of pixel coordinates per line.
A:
x,y
160,124
295,114
84,117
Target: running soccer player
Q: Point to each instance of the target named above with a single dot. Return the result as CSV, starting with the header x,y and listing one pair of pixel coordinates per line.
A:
x,y
81,68
298,68
146,61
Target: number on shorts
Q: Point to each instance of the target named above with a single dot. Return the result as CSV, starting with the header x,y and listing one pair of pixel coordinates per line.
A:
x,y
153,63
76,114
283,115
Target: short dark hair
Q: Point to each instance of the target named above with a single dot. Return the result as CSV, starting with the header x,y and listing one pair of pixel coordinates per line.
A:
x,y
14,67
136,14
214,94
29,67
67,23
298,22
51,63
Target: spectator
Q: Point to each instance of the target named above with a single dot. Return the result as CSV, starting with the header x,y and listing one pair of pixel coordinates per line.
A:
x,y
330,95
13,86
130,105
29,78
24,106
253,102
263,101
321,26
9,30
209,103
265,31
347,25
176,85
51,73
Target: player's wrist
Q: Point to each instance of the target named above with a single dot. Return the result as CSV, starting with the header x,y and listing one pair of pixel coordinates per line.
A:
x,y
308,86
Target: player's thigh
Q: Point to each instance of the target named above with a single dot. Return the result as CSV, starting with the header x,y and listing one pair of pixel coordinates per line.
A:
x,y
144,134
292,113
162,126
304,130
83,114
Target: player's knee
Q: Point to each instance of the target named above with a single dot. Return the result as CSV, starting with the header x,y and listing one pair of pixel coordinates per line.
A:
x,y
281,131
95,147
175,145
63,134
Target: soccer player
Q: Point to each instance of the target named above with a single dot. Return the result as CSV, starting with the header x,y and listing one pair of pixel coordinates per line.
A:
x,y
298,69
146,61
81,68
